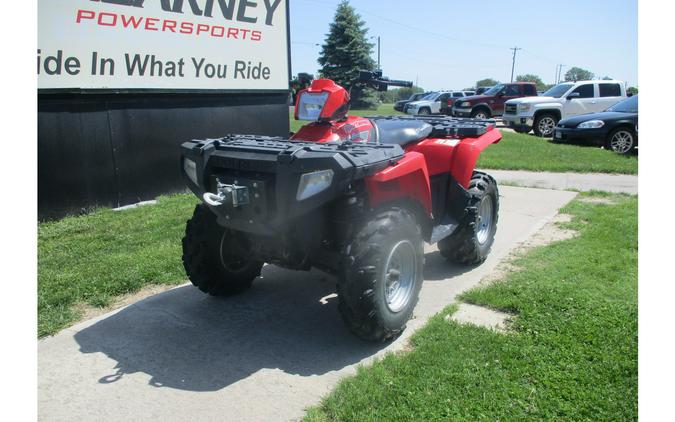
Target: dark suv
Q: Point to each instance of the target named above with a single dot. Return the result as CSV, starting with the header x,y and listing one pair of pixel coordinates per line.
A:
x,y
491,102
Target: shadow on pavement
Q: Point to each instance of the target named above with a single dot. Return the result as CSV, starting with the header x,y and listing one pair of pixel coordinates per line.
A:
x,y
187,340
438,268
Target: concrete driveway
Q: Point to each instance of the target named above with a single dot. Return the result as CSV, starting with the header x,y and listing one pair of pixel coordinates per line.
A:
x,y
262,356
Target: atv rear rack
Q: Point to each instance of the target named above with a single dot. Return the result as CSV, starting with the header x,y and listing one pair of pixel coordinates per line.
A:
x,y
452,127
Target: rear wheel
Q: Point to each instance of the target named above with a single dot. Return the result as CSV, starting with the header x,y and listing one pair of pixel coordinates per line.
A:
x,y
519,130
471,241
544,124
380,282
621,141
217,260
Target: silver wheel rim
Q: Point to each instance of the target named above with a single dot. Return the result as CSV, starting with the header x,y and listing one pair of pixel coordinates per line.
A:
x,y
484,219
546,125
481,115
621,142
424,111
399,275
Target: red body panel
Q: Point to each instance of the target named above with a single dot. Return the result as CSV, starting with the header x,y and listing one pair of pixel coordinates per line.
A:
x,y
408,179
457,156
354,128
466,155
337,103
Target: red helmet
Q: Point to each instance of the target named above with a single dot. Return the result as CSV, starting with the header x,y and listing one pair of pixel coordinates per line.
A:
x,y
323,100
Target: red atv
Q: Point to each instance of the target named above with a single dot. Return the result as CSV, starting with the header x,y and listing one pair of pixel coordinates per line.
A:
x,y
356,197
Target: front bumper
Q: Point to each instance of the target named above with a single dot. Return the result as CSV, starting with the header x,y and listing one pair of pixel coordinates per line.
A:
x,y
518,122
461,112
590,136
270,169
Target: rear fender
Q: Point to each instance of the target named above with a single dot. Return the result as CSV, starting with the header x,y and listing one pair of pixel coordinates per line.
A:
x,y
405,182
466,155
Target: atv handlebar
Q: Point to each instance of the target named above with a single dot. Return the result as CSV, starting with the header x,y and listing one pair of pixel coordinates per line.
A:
x,y
374,79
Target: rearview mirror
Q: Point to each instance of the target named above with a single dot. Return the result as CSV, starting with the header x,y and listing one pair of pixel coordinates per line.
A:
x,y
573,96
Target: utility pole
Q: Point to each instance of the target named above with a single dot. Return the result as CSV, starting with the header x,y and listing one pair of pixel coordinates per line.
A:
x,y
513,64
558,73
378,51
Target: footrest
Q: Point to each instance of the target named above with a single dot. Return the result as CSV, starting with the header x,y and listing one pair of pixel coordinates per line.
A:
x,y
443,230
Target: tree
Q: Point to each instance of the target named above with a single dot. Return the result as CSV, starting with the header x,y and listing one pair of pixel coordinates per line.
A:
x,y
578,74
532,78
633,90
486,82
345,51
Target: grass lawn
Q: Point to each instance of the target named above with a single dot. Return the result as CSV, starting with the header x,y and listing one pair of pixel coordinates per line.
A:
x,y
571,355
93,258
526,152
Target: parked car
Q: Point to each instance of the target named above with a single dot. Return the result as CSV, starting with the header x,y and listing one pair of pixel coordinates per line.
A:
x,y
431,104
491,102
400,105
482,89
614,128
560,102
448,103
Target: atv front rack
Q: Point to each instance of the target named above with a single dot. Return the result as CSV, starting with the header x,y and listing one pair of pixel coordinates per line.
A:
x,y
444,127
270,168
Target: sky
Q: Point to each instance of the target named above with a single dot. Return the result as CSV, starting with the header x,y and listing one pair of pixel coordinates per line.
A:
x,y
448,44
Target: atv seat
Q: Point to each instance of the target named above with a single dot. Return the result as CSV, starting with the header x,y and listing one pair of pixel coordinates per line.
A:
x,y
400,131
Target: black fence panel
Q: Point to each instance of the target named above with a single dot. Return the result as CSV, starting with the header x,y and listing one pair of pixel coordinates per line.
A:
x,y
117,149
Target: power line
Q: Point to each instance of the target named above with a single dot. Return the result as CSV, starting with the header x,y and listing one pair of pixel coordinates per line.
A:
x,y
513,63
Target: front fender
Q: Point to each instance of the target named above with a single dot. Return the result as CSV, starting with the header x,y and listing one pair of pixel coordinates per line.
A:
x,y
537,108
407,180
466,155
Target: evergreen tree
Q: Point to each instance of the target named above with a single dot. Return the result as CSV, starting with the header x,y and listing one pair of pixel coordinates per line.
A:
x,y
345,51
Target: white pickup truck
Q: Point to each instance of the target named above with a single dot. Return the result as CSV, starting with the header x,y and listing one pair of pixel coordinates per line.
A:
x,y
564,100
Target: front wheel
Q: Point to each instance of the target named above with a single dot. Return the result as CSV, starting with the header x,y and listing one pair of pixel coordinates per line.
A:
x,y
480,114
424,111
217,261
544,124
470,243
622,141
380,281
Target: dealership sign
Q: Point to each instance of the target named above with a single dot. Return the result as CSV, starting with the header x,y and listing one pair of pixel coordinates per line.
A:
x,y
163,44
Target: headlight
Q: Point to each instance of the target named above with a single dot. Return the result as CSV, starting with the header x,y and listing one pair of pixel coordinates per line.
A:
x,y
190,169
313,183
465,104
591,124
310,105
524,107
